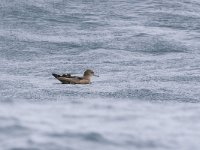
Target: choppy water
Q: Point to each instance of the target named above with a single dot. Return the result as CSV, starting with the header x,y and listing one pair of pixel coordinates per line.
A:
x,y
147,54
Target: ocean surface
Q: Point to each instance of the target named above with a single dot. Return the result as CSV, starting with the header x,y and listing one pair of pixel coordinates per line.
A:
x,y
147,54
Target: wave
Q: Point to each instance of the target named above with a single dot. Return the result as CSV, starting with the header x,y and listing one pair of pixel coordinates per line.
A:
x,y
88,136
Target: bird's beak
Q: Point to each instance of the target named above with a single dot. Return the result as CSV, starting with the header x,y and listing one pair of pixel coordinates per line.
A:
x,y
95,75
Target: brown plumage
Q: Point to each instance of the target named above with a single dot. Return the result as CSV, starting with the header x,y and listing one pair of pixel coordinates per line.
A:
x,y
68,79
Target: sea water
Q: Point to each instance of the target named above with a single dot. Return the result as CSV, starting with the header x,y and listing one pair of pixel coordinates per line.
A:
x,y
147,54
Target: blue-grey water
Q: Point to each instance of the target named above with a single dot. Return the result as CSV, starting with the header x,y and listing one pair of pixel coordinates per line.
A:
x,y
147,54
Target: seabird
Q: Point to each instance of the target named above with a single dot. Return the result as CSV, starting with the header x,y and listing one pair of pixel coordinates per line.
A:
x,y
69,79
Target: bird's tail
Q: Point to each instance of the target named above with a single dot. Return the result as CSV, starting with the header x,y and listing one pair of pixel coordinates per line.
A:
x,y
56,75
